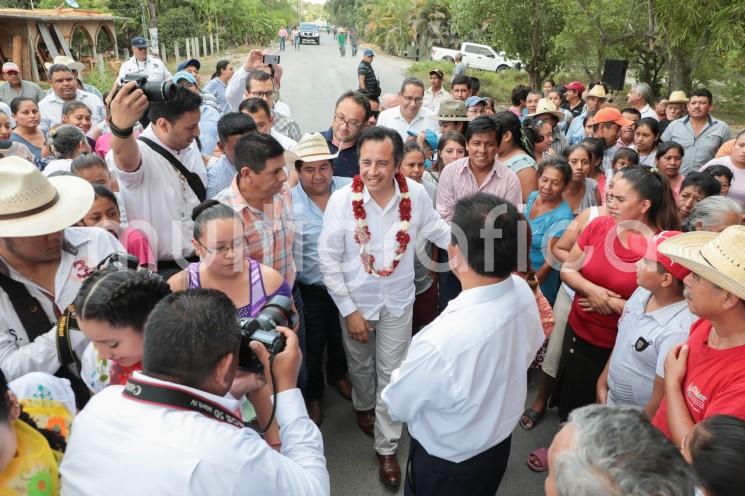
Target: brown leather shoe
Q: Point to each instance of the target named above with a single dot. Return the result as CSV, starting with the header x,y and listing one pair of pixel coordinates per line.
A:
x,y
390,472
366,421
345,388
315,412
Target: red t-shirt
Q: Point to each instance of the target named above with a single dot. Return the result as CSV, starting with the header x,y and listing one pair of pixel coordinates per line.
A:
x,y
609,265
714,383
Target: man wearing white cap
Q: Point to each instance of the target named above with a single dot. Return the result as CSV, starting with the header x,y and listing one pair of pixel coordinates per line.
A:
x,y
43,262
14,86
706,375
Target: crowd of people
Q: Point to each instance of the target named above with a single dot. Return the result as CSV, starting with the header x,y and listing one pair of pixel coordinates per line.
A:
x,y
184,272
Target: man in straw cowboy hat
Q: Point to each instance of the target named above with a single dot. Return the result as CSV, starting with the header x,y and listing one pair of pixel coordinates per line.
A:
x,y
452,116
706,375
43,262
595,98
315,172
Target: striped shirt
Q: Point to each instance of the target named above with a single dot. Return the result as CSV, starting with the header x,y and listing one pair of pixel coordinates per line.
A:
x,y
268,237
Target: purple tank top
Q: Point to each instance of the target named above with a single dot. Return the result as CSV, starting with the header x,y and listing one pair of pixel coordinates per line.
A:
x,y
257,295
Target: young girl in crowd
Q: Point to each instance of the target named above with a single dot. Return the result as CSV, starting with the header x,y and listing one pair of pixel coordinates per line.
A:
x,y
646,139
9,148
111,309
582,191
67,143
597,150
515,151
451,147
105,214
624,157
79,115
715,448
27,117
695,187
722,174
669,158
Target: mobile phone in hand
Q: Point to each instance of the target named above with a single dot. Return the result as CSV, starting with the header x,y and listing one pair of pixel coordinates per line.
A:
x,y
270,59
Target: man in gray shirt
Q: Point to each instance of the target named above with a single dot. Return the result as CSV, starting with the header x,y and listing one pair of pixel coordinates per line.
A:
x,y
459,69
14,86
698,133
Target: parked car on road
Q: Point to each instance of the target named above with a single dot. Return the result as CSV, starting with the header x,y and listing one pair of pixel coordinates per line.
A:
x,y
309,32
477,56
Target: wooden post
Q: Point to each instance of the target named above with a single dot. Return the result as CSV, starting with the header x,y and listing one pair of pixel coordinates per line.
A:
x,y
164,56
188,49
204,45
217,39
176,55
100,64
197,50
212,45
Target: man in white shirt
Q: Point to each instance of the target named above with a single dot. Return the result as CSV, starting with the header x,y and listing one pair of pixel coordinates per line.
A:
x,y
65,89
462,386
41,256
411,115
259,111
639,97
141,62
435,94
367,263
158,198
140,439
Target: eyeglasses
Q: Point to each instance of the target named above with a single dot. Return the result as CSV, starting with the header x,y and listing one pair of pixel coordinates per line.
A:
x,y
375,113
413,99
263,94
235,246
341,120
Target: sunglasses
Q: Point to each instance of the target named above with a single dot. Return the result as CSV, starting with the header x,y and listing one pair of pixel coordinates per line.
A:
x,y
375,113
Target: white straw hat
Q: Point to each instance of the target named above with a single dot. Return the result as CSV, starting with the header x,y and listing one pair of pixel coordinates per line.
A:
x,y
65,60
546,106
33,205
313,147
678,97
717,257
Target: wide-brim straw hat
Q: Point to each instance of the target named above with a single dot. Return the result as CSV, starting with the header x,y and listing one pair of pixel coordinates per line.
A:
x,y
717,257
65,60
452,110
546,106
34,205
313,147
678,97
598,91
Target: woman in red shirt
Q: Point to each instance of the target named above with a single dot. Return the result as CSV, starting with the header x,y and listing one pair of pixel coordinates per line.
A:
x,y
601,268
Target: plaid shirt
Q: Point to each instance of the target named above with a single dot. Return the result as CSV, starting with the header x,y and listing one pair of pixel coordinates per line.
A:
x,y
285,125
268,237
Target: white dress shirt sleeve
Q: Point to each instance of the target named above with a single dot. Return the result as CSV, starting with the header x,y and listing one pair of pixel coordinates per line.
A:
x,y
38,356
236,89
331,247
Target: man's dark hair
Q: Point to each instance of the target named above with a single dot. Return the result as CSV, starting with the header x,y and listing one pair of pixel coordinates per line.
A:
x,y
253,150
703,92
411,81
633,111
254,105
488,226
481,125
57,68
188,333
461,79
475,85
519,94
717,445
234,123
171,110
705,183
380,133
257,75
360,97
720,170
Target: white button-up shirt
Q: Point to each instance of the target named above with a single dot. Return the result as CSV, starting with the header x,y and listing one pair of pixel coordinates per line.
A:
x,y
155,69
648,111
462,386
83,249
433,100
424,119
50,108
158,199
350,286
120,446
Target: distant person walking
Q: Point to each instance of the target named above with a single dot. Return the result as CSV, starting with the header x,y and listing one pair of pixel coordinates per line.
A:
x,y
459,69
296,38
368,82
341,38
282,38
335,30
353,40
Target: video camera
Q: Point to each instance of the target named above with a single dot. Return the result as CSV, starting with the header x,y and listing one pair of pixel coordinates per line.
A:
x,y
263,328
155,91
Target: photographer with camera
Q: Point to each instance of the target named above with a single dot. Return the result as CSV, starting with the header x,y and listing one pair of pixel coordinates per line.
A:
x,y
161,174
174,430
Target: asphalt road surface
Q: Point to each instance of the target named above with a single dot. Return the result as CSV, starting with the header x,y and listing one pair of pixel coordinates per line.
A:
x,y
313,79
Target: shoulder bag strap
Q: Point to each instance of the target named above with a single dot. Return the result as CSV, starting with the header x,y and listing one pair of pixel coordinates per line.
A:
x,y
195,182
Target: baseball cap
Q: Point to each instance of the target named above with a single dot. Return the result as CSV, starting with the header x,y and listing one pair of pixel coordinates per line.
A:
x,y
191,62
368,53
576,86
429,136
11,67
647,248
611,114
184,76
472,101
438,73
139,42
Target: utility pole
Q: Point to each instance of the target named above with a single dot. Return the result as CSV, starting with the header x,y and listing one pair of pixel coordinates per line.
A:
x,y
153,25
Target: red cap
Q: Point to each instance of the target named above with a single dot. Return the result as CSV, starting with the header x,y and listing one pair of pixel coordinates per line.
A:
x,y
576,86
640,245
611,114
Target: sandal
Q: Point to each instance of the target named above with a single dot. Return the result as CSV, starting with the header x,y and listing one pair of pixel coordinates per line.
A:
x,y
530,418
538,460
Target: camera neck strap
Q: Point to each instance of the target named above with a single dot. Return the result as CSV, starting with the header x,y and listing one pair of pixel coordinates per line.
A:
x,y
156,394
192,179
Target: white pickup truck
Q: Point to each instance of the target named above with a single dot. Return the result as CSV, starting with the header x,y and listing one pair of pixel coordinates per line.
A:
x,y
476,56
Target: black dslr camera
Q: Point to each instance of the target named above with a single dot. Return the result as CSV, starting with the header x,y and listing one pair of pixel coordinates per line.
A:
x,y
263,328
155,91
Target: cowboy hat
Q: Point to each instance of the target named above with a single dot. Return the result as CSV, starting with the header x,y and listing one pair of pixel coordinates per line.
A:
x,y
598,91
717,257
546,106
452,110
678,97
65,60
313,147
34,205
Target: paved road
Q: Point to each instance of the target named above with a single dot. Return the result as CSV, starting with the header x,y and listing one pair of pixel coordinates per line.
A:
x,y
314,77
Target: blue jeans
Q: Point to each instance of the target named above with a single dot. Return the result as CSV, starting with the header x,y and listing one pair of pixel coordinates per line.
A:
x,y
282,41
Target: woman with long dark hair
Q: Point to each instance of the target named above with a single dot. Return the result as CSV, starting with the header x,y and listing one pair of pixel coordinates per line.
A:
x,y
516,150
219,83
